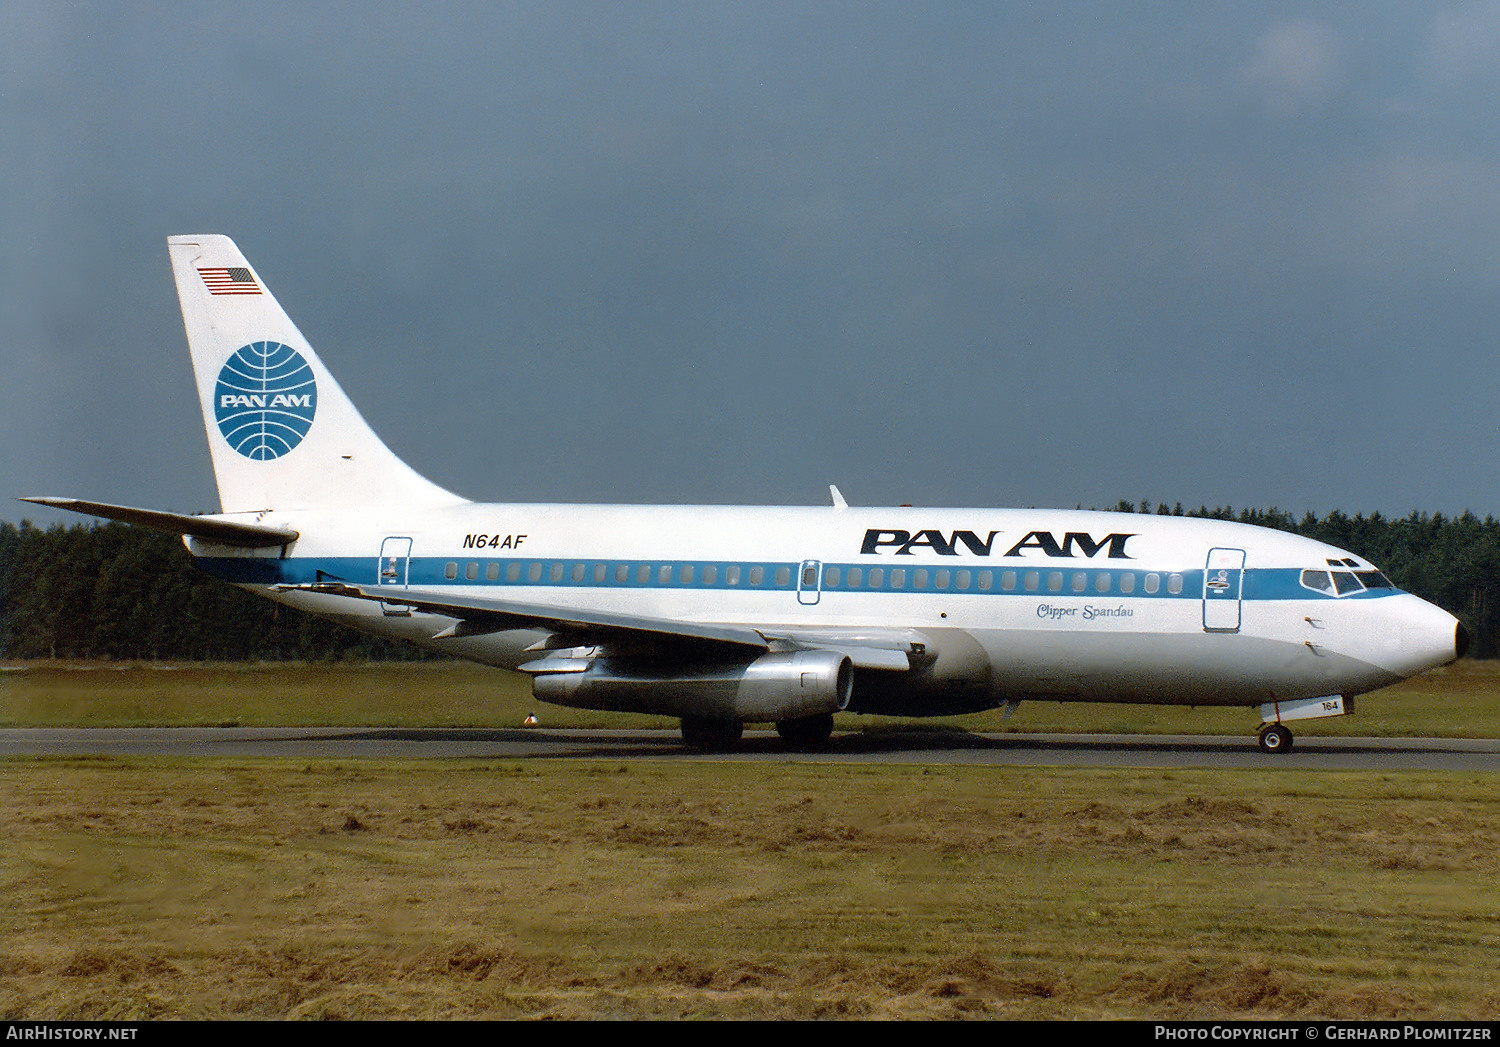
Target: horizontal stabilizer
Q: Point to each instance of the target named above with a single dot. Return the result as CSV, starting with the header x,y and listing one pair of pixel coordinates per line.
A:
x,y
214,529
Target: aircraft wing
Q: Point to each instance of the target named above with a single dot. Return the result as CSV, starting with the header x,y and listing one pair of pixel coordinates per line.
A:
x,y
576,627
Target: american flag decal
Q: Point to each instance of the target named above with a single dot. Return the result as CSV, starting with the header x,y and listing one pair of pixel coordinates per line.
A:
x,y
229,280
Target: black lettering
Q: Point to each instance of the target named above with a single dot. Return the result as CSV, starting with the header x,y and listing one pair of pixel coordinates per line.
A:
x,y
971,539
1042,540
1116,543
873,540
933,540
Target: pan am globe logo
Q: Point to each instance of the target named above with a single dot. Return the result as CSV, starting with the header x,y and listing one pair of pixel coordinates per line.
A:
x,y
265,400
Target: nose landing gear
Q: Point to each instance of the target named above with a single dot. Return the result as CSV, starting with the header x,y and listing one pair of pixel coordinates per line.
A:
x,y
1274,738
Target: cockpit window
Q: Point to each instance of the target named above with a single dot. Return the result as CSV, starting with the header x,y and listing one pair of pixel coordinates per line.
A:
x,y
1317,580
1345,582
1339,582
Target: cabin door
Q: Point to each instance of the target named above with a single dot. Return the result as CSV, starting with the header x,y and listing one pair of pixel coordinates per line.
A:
x,y
393,571
810,581
1223,580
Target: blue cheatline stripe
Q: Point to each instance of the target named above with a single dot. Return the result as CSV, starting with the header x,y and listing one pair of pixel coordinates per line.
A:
x,y
731,575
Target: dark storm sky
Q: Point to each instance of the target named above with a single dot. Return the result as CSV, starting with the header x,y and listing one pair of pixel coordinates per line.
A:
x,y
957,254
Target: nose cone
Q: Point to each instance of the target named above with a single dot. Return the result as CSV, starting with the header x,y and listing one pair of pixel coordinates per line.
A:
x,y
1420,636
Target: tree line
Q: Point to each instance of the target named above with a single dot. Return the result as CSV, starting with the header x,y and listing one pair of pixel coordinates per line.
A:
x,y
110,591
115,592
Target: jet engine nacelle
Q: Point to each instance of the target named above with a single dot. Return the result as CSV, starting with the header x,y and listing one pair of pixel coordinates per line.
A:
x,y
777,686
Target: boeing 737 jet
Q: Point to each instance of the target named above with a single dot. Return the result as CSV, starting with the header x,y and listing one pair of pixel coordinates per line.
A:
x,y
724,616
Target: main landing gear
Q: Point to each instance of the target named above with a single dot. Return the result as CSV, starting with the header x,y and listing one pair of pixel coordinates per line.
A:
x,y
806,734
1275,738
702,732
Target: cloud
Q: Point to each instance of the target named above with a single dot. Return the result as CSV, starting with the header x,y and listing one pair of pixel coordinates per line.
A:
x,y
1463,44
1297,65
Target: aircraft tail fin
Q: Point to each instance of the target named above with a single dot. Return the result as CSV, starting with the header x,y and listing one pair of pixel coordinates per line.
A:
x,y
283,435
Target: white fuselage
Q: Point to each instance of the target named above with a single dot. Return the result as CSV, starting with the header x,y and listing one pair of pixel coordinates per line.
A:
x,y
1022,603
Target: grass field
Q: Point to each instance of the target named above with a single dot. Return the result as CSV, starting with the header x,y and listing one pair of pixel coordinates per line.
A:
x,y
1462,700
140,888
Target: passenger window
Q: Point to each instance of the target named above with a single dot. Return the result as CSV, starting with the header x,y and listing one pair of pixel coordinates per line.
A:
x,y
1153,583
1054,582
450,570
534,573
856,577
941,579
622,572
471,571
687,575
491,572
877,577
512,572
732,575
599,572
710,574
919,579
961,580
986,579
757,575
1127,582
1008,580
1033,580
578,570
1080,581
1101,582
1174,583
783,577
830,576
664,575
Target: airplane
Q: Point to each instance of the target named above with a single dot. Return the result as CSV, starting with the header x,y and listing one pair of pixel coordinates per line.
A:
x,y
723,615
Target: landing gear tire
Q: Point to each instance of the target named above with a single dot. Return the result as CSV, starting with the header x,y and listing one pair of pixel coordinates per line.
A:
x,y
806,734
711,735
1275,738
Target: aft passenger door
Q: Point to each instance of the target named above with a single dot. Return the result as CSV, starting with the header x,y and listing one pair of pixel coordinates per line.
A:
x,y
393,571
1223,580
